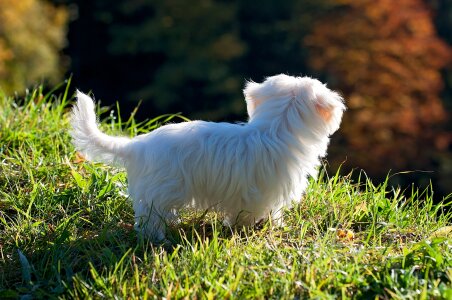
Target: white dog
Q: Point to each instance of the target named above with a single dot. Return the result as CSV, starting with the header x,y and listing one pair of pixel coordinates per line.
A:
x,y
245,171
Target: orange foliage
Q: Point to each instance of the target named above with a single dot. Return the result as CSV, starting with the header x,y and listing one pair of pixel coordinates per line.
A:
x,y
32,33
386,58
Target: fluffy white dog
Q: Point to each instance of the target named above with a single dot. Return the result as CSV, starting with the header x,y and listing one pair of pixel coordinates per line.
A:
x,y
246,171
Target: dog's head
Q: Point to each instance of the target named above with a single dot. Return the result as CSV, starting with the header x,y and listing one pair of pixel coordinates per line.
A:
x,y
312,96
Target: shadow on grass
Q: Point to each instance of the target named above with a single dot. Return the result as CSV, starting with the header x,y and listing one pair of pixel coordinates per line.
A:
x,y
46,268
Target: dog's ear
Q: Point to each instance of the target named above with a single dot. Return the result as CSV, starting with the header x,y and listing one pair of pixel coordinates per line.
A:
x,y
251,96
274,87
251,90
329,105
324,111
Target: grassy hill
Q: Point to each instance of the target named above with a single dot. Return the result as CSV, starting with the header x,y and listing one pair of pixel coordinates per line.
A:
x,y
66,230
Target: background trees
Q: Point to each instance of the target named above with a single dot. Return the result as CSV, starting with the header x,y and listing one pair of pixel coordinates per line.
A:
x,y
32,33
184,56
387,62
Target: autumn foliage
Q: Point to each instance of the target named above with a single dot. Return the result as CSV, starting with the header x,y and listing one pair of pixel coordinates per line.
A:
x,y
32,33
386,58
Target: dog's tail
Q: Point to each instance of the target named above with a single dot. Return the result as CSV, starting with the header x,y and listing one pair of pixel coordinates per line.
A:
x,y
89,140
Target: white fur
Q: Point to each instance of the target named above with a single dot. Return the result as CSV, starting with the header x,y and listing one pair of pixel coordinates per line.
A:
x,y
246,171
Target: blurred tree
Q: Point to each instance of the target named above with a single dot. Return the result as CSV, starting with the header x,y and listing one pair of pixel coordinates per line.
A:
x,y
386,58
175,55
186,56
272,32
443,22
195,46
32,33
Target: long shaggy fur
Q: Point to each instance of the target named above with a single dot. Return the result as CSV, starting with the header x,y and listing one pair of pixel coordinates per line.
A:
x,y
246,171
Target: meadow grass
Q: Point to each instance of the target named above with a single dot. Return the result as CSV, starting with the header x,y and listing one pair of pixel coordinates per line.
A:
x,y
66,230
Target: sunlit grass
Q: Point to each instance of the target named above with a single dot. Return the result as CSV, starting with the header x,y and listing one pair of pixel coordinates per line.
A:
x,y
66,230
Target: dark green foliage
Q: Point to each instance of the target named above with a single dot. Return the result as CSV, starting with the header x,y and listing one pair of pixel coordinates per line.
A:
x,y
189,56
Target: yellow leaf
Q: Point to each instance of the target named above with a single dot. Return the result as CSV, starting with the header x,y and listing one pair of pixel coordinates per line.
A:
x,y
345,234
445,231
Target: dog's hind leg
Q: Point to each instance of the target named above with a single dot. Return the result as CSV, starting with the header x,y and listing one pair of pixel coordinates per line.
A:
x,y
150,221
157,210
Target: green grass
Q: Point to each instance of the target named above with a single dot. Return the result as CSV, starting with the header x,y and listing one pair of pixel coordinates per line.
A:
x,y
66,230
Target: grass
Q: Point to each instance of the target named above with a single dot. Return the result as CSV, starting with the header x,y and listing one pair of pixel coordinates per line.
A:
x,y
66,230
